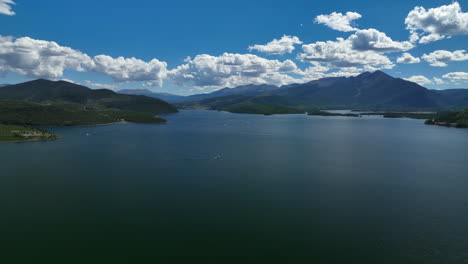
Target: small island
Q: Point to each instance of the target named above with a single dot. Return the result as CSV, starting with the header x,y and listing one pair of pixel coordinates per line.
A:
x,y
13,133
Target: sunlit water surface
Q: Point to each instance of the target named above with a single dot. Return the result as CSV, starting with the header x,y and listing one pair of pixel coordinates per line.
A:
x,y
223,187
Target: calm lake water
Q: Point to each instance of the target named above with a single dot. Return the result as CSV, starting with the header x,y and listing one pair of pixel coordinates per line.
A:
x,y
223,187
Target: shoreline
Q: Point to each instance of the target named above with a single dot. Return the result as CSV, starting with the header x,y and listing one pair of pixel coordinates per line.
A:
x,y
59,137
32,140
114,123
96,125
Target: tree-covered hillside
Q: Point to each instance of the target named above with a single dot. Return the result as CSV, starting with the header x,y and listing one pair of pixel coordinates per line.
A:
x,y
66,114
457,119
45,91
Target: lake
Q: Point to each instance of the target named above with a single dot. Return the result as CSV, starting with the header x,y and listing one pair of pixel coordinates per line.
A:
x,y
232,188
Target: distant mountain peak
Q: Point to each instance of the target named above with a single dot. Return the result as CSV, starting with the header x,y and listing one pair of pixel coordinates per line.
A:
x,y
373,74
380,73
364,75
46,81
39,81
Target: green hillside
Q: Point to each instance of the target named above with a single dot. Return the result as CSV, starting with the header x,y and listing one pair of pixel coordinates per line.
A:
x,y
262,104
66,114
45,91
59,103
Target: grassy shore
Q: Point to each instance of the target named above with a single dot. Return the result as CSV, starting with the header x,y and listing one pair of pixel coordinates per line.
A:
x,y
14,133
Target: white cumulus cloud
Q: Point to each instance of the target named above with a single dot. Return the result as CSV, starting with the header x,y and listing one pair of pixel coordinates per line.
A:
x,y
339,53
318,71
68,80
427,25
338,21
365,48
129,69
39,58
314,72
5,7
278,47
230,70
407,58
372,39
419,79
100,85
441,58
438,80
456,76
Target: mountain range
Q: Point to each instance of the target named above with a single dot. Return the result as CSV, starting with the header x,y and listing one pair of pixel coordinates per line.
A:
x,y
367,91
248,90
372,91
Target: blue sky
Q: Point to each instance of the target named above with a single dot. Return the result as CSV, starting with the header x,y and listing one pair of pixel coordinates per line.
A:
x,y
154,39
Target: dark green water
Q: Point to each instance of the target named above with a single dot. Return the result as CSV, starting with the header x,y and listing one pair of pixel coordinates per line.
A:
x,y
284,189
